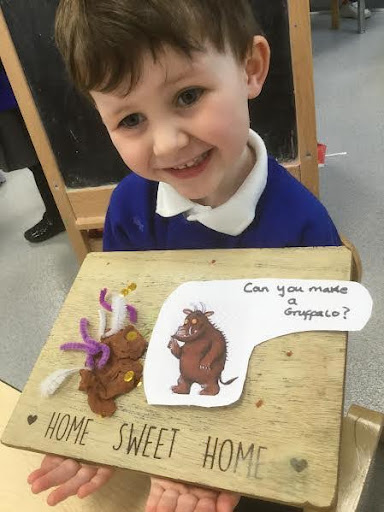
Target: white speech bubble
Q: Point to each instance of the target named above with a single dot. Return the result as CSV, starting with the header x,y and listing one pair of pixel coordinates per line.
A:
x,y
248,312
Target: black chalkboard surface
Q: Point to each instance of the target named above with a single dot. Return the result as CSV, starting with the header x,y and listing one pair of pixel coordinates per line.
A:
x,y
273,113
84,153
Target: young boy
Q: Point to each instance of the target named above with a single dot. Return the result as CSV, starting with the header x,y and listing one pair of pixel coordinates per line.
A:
x,y
171,80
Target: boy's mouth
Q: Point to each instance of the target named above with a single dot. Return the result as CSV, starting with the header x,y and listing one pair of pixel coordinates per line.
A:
x,y
192,168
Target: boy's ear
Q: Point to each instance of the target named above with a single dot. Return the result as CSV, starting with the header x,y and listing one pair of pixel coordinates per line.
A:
x,y
257,65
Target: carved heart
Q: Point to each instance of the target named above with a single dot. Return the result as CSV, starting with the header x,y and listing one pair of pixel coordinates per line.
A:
x,y
299,464
31,419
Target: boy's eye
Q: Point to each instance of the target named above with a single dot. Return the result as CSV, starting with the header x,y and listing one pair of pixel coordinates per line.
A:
x,y
189,97
131,121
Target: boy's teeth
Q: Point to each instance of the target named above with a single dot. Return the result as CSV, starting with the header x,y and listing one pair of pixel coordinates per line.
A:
x,y
196,161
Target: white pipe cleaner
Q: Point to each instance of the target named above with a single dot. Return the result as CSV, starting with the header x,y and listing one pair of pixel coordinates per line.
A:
x,y
52,383
102,323
119,315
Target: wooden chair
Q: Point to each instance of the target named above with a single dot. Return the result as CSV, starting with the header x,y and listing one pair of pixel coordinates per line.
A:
x,y
335,14
357,267
335,8
362,431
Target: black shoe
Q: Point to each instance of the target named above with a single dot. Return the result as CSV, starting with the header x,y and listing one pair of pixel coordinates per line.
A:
x,y
45,229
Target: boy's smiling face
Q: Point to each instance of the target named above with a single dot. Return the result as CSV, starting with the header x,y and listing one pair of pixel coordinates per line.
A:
x,y
186,122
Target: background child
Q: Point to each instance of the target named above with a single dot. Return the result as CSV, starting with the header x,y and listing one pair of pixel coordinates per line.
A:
x,y
17,152
350,9
171,80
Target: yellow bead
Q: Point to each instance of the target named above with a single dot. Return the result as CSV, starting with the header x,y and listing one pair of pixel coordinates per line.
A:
x,y
131,336
132,287
129,376
124,292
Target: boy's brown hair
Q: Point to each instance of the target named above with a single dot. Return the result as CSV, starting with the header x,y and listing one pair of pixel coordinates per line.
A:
x,y
103,42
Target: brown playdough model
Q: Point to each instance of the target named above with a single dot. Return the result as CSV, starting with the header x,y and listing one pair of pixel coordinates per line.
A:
x,y
120,375
203,355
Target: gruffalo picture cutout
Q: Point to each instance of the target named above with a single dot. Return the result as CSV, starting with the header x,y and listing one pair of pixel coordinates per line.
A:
x,y
206,332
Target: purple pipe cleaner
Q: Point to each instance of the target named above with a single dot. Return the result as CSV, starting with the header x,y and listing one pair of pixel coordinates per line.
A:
x,y
132,313
90,346
102,300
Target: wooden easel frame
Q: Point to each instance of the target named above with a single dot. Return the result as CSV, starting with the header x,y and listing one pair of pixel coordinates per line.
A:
x,y
84,209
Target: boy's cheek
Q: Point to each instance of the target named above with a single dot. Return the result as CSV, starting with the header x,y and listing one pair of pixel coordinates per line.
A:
x,y
129,154
229,134
134,163
227,122
125,148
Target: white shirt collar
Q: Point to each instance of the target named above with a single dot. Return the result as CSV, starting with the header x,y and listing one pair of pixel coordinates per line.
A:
x,y
232,217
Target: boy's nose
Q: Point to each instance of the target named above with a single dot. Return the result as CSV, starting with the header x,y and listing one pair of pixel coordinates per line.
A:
x,y
168,140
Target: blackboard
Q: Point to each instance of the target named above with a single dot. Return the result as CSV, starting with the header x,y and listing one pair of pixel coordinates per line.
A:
x,y
273,113
85,155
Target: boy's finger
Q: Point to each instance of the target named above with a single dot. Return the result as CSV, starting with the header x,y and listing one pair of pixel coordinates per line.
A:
x,y
35,475
168,501
102,476
71,486
57,476
155,494
48,463
187,503
226,502
51,461
202,492
206,505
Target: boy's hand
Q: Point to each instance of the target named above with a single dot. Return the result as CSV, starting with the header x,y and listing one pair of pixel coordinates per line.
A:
x,y
168,496
70,478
